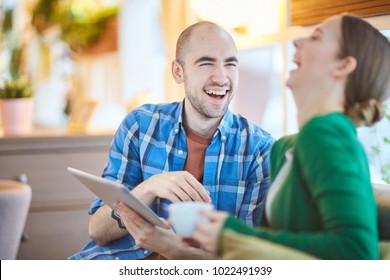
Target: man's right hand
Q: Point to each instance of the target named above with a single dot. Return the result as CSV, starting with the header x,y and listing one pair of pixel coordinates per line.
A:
x,y
176,186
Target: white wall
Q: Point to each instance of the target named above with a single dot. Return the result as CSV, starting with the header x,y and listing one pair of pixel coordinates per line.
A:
x,y
142,49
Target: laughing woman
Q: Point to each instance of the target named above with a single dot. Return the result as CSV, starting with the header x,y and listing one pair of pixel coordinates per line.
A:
x,y
321,201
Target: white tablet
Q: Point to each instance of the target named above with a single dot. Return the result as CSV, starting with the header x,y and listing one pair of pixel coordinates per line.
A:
x,y
111,192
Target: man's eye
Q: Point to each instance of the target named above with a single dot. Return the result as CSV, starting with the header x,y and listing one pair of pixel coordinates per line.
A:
x,y
205,64
231,64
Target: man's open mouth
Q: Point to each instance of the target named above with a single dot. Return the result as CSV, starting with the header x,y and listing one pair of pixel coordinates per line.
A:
x,y
219,94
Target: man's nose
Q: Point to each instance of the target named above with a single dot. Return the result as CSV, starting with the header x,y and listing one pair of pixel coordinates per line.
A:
x,y
219,75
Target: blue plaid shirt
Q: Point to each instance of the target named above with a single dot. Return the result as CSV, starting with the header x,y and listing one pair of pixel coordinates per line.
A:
x,y
152,140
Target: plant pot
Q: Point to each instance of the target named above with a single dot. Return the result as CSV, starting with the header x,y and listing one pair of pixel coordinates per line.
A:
x,y
16,115
107,42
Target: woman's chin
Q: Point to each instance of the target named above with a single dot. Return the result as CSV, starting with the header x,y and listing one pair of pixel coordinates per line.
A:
x,y
289,83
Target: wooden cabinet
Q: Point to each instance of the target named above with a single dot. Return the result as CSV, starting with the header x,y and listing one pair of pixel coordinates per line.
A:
x,y
57,224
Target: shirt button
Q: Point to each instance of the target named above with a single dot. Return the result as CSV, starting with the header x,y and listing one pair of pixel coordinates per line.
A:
x,y
176,130
180,152
146,251
117,258
224,138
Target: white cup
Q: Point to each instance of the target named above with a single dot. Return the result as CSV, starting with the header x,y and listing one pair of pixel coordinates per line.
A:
x,y
185,215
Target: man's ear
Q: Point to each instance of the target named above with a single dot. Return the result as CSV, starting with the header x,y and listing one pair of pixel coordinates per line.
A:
x,y
177,72
346,66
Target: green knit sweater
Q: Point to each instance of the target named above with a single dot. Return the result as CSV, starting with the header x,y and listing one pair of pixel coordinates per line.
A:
x,y
325,206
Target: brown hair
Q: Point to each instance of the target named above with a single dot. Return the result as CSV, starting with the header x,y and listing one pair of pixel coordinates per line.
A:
x,y
368,86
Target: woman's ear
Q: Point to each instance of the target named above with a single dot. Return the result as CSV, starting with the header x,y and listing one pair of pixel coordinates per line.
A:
x,y
346,66
177,72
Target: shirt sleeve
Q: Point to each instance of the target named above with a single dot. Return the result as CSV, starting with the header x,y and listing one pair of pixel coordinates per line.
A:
x,y
257,185
123,165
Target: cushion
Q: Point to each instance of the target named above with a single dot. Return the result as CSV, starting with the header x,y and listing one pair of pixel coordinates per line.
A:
x,y
15,199
384,250
382,196
384,223
236,246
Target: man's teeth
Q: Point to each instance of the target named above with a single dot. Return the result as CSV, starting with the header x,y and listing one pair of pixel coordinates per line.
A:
x,y
216,92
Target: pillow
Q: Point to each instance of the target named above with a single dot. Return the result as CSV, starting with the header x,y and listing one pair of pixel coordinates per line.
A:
x,y
384,223
237,246
384,250
382,194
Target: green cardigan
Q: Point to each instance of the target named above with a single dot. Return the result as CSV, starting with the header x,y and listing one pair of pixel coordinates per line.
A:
x,y
325,206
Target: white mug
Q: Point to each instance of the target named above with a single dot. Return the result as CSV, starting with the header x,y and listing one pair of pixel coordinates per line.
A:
x,y
185,215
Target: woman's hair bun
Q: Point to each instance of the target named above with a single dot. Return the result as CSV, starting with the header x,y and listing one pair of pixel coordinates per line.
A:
x,y
366,113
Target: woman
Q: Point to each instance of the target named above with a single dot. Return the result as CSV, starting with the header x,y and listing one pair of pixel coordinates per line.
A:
x,y
321,201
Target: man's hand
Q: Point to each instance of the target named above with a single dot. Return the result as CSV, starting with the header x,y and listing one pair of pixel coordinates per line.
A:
x,y
175,186
160,240
146,235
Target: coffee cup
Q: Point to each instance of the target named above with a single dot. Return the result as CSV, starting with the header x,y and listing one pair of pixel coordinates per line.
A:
x,y
185,215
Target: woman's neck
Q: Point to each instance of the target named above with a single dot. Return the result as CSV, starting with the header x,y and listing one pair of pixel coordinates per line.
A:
x,y
319,104
304,115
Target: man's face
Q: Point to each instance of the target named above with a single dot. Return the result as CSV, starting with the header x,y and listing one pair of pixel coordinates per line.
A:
x,y
210,72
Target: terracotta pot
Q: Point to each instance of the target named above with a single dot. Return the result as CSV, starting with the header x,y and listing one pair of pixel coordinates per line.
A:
x,y
16,115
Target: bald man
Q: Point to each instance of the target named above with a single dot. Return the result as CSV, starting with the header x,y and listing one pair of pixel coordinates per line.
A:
x,y
193,150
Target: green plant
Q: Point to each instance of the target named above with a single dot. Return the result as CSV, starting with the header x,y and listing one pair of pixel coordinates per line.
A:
x,y
12,44
15,85
20,88
81,24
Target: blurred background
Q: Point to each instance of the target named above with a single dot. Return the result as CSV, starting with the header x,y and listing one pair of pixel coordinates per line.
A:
x,y
111,56
70,70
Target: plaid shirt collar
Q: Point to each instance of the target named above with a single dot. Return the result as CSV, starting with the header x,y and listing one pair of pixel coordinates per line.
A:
x,y
223,127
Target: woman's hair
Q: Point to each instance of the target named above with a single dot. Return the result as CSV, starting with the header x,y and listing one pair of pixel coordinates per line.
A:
x,y
368,86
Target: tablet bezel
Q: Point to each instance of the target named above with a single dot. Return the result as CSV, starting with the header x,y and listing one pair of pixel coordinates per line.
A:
x,y
111,192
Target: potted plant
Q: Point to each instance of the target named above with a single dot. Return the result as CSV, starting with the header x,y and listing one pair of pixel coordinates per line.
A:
x,y
16,106
88,27
16,103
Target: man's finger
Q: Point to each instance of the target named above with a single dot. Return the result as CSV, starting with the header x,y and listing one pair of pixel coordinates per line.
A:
x,y
199,188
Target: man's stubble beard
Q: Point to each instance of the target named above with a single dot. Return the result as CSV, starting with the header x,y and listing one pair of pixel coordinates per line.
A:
x,y
200,105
